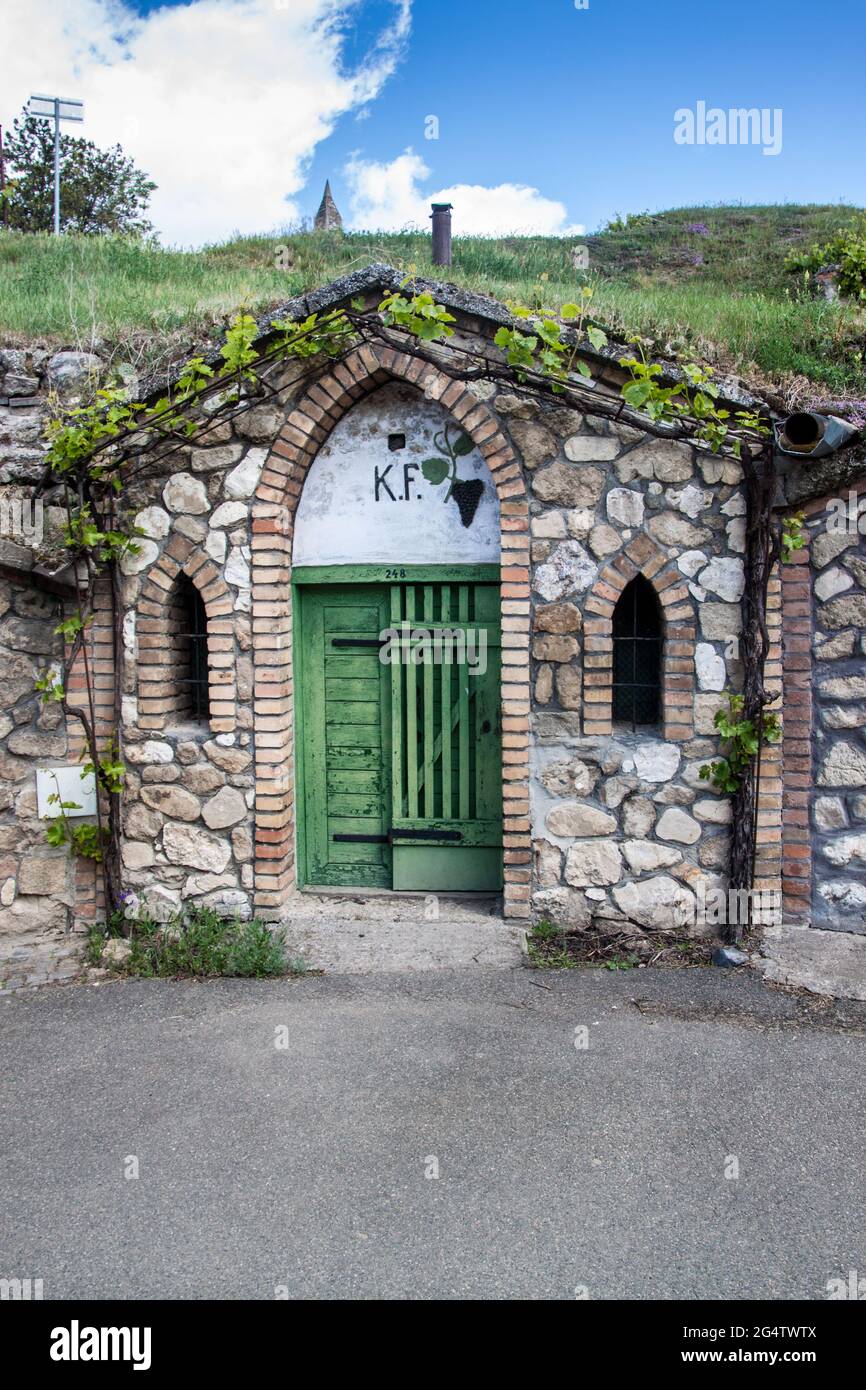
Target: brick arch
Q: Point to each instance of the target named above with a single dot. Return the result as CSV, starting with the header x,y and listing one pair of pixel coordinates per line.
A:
x,y
182,556
362,371
641,556
304,432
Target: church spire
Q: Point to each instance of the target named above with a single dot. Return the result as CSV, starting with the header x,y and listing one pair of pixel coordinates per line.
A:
x,y
328,217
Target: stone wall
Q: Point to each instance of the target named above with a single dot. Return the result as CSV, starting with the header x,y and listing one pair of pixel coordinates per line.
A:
x,y
604,826
838,795
624,829
40,887
26,375
189,800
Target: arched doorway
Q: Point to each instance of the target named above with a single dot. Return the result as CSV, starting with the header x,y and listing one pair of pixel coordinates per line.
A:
x,y
306,429
397,637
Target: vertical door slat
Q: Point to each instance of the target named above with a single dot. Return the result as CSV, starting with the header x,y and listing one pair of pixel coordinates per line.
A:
x,y
429,731
411,717
396,711
445,717
463,705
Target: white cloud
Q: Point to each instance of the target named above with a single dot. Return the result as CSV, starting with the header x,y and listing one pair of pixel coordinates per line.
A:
x,y
387,197
222,102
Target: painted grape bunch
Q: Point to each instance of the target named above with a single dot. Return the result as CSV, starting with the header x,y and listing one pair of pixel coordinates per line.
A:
x,y
466,492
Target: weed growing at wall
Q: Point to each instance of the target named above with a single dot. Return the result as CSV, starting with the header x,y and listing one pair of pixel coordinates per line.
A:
x,y
742,738
793,536
198,941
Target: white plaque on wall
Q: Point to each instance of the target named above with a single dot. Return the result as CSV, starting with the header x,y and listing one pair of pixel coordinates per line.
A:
x,y
69,785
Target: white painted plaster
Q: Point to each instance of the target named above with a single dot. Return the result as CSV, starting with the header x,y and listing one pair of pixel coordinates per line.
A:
x,y
339,519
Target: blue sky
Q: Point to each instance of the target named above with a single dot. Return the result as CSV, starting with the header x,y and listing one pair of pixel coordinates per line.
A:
x,y
576,104
580,103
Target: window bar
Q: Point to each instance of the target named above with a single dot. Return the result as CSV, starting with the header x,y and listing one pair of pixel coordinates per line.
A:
x,y
626,685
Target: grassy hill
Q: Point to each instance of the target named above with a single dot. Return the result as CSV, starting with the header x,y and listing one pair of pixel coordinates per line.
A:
x,y
709,281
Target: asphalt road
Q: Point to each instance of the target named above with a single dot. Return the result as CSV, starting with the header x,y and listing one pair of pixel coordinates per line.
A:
x,y
306,1168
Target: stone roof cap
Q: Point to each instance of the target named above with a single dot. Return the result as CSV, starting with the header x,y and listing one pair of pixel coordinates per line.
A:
x,y
23,562
464,304
467,303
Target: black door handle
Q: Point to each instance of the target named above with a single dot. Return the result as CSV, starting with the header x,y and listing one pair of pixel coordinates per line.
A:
x,y
400,834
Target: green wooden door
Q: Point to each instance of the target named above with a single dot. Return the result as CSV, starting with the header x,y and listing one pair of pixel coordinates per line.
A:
x,y
446,797
346,736
400,763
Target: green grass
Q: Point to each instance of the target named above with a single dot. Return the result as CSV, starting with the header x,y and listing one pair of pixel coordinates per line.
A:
x,y
738,307
198,941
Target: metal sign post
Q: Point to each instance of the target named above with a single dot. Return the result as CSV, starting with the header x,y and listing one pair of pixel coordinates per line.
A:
x,y
57,109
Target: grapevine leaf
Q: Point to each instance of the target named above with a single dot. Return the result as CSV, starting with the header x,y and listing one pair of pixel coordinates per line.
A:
x,y
435,470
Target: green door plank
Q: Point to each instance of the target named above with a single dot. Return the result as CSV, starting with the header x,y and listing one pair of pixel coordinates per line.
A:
x,y
357,874
356,825
340,665
488,738
354,782
429,730
463,709
315,749
343,575
446,674
355,804
398,732
435,868
472,832
357,743
362,618
352,687
411,717
354,712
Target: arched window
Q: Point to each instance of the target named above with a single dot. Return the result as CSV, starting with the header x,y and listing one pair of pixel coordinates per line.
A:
x,y
637,655
188,654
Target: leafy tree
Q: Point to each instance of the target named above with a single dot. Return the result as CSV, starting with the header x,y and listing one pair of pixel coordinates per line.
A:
x,y
100,190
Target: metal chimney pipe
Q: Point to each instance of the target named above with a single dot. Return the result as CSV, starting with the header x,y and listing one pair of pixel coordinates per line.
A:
x,y
441,216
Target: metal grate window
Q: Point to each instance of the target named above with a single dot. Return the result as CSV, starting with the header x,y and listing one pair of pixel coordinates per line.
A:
x,y
637,655
192,651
